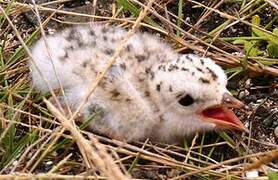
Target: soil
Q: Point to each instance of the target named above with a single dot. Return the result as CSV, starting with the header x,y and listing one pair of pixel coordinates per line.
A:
x,y
263,118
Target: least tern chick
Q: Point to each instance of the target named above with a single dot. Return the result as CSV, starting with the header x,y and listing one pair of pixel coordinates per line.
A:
x,y
150,91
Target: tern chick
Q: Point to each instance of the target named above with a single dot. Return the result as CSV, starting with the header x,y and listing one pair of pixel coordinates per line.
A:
x,y
149,92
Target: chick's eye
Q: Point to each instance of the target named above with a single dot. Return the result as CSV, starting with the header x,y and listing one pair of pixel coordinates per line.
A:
x,y
187,100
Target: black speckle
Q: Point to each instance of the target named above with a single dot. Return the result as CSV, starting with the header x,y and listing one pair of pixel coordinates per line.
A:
x,y
162,67
108,51
123,66
128,100
73,35
85,63
184,69
80,43
147,94
128,47
140,58
161,118
104,29
141,77
203,80
102,84
70,47
199,69
214,76
189,58
115,93
151,75
92,32
202,61
150,72
170,88
173,67
64,57
158,87
193,73
104,38
94,109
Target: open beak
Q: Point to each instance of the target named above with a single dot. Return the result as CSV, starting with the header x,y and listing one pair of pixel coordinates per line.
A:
x,y
224,117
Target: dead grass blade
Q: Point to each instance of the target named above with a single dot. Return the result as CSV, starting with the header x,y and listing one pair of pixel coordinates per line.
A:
x,y
95,156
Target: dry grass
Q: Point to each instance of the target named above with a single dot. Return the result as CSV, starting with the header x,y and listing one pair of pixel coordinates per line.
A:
x,y
40,142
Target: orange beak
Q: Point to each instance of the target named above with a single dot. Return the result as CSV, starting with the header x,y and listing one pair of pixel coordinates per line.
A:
x,y
222,116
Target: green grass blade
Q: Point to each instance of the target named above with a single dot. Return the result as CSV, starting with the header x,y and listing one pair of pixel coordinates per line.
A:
x,y
180,15
20,52
7,11
134,10
227,138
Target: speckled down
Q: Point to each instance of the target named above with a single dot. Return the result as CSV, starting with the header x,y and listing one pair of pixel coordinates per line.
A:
x,y
140,95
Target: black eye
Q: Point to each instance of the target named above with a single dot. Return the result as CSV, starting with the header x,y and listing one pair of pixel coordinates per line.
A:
x,y
187,100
